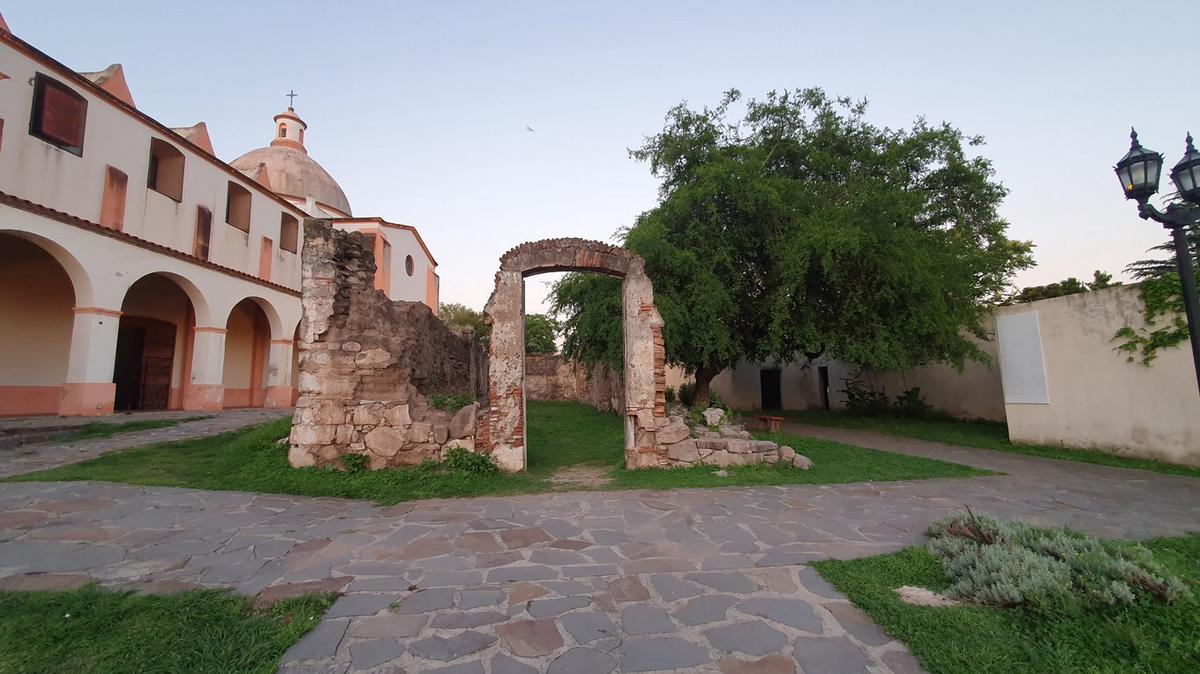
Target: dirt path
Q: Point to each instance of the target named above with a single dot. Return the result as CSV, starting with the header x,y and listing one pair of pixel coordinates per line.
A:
x,y
592,477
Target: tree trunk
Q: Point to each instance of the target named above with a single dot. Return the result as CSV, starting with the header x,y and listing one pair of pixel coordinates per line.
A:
x,y
704,377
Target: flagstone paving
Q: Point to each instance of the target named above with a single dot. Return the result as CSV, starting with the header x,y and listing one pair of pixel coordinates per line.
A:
x,y
688,580
53,453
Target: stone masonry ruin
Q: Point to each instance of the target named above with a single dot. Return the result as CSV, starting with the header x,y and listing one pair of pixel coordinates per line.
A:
x,y
371,368
368,365
645,358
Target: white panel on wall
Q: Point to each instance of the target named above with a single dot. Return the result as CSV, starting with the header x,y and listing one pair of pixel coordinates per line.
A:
x,y
1022,366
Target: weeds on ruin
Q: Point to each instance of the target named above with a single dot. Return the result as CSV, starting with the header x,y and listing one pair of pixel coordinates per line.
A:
x,y
1045,570
450,402
460,460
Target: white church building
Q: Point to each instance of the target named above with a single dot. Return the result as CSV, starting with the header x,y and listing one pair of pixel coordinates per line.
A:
x,y
137,270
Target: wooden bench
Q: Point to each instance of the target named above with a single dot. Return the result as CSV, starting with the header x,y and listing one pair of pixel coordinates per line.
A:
x,y
772,423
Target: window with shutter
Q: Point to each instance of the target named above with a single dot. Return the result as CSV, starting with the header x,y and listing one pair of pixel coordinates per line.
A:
x,y
59,114
203,232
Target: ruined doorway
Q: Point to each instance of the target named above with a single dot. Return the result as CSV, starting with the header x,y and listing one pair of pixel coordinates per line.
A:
x,y
644,359
144,362
770,388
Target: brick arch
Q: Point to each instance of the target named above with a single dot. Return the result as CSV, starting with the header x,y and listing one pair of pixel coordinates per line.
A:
x,y
645,357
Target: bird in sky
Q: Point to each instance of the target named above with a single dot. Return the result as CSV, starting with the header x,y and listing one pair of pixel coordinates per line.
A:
x,y
529,129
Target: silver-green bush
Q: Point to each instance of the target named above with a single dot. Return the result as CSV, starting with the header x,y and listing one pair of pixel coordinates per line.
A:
x,y
1014,564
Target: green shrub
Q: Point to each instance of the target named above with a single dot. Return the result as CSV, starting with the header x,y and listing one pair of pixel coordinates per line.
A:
x,y
714,400
354,463
451,402
670,394
464,462
1014,564
912,404
864,400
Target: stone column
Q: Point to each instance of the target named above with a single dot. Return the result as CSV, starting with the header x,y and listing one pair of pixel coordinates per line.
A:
x,y
89,389
645,374
205,390
505,312
279,374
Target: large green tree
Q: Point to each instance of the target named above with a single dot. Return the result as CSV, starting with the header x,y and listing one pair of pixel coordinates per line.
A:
x,y
799,228
540,332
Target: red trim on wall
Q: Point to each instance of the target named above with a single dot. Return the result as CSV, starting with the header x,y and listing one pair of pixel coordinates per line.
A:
x,y
65,218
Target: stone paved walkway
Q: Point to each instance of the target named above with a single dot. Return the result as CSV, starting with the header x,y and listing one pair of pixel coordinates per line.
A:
x,y
43,455
687,580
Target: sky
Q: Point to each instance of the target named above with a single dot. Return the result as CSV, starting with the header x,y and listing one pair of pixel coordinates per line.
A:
x,y
420,109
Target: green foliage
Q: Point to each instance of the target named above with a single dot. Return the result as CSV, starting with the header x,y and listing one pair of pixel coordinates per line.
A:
x,y
540,331
714,400
450,402
1164,318
1144,638
458,315
1145,269
1069,286
865,400
802,229
462,461
105,632
1014,564
911,403
354,463
670,394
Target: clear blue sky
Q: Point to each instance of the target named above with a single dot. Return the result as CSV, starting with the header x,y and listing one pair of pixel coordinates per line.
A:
x,y
419,109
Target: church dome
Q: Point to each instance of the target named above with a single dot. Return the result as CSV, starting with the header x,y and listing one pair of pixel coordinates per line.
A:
x,y
290,172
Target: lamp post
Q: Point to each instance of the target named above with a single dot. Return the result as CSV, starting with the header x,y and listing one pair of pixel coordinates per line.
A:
x,y
1139,172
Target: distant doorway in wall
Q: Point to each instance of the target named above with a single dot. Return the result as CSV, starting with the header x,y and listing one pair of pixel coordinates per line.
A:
x,y
771,389
823,378
142,373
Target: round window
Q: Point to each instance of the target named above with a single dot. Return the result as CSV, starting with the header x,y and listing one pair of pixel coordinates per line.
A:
x,y
408,265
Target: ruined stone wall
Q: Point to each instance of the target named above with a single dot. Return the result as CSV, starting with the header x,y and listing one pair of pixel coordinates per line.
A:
x,y
368,365
553,377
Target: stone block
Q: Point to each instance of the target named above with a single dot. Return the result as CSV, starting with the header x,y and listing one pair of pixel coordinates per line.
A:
x,y
372,358
366,415
461,443
299,458
786,454
398,415
314,434
713,415
684,451
419,432
441,433
463,422
344,434
673,432
384,441
737,446
802,462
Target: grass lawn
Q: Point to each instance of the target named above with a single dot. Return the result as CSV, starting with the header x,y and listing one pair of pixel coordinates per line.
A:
x,y
101,429
982,434
560,435
100,631
1149,637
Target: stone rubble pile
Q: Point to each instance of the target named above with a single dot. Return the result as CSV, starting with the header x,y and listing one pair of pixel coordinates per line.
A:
x,y
716,442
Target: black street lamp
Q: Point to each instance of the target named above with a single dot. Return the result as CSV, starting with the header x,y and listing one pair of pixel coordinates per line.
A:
x,y
1138,172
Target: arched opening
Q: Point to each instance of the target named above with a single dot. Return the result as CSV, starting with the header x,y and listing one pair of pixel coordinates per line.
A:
x,y
37,300
644,358
153,345
247,350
